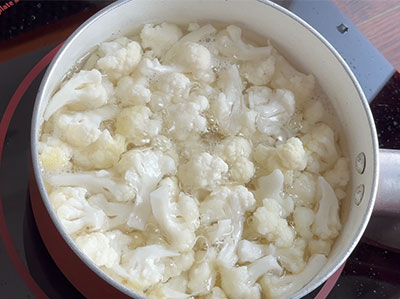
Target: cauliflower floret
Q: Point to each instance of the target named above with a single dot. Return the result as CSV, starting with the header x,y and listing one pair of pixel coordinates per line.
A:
x,y
136,125
292,258
271,186
281,287
95,182
194,36
203,274
178,218
287,77
274,108
195,59
303,189
184,120
268,222
174,288
80,129
326,223
120,59
174,84
230,44
159,38
54,155
143,170
203,171
75,212
97,247
292,154
132,92
178,265
250,251
320,247
229,109
227,203
102,154
146,265
240,282
321,142
303,218
82,92
339,175
236,152
258,72
117,211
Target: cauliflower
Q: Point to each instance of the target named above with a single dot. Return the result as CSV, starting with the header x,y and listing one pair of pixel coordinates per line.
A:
x,y
184,120
292,258
174,84
102,154
95,182
195,36
159,38
152,69
174,288
195,59
118,212
303,189
136,125
240,282
202,275
236,152
145,265
339,175
287,77
229,110
132,92
54,155
74,211
178,265
80,129
303,218
292,154
227,203
267,221
321,142
258,72
97,247
271,187
105,249
203,171
281,287
177,215
233,200
320,247
120,58
250,251
230,44
83,91
143,170
274,108
326,222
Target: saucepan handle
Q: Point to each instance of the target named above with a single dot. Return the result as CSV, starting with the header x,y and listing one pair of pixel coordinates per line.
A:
x,y
388,196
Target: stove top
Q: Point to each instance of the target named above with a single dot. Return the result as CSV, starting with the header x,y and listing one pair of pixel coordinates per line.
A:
x,y
27,270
